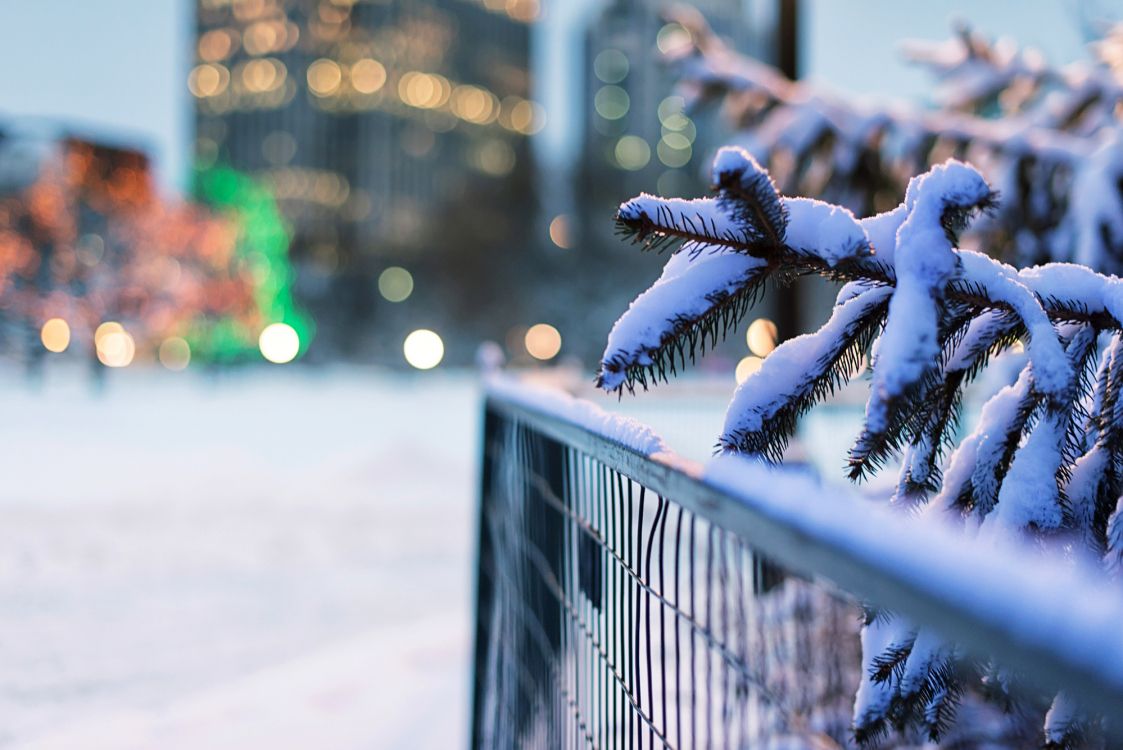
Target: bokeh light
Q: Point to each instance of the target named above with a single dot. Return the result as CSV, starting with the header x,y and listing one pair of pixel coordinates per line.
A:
x,y
527,117
55,335
279,343
367,76
106,328
674,150
611,66
632,152
208,80
543,341
174,353
423,349
611,102
762,337
747,367
672,38
395,284
114,345
560,233
324,77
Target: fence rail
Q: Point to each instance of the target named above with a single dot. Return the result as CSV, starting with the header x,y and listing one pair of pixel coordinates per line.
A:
x,y
630,600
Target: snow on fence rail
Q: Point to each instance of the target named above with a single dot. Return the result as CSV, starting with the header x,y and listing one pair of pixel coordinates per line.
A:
x,y
627,597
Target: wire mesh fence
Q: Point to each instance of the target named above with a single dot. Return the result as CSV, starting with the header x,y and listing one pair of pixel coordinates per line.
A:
x,y
626,601
613,617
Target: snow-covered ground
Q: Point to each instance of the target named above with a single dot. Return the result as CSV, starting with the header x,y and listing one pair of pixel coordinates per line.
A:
x,y
277,559
274,560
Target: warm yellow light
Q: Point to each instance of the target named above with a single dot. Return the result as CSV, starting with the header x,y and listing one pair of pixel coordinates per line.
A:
x,y
324,77
264,36
263,75
747,367
423,349
523,10
473,104
174,353
208,80
279,343
367,76
395,284
114,345
543,341
424,90
559,232
106,328
55,335
527,117
215,45
762,337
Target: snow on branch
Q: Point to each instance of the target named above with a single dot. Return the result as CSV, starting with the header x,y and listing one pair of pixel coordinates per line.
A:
x,y
1045,458
1054,151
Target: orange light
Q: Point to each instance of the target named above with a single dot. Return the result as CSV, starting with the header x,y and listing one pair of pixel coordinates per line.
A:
x,y
559,231
543,341
55,335
324,77
761,337
367,76
747,367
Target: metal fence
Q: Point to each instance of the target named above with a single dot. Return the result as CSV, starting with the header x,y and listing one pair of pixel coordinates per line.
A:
x,y
623,602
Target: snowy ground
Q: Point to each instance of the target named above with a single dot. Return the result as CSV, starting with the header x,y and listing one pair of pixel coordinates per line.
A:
x,y
280,559
270,561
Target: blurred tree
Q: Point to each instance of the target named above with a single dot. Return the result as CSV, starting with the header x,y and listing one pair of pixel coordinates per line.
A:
x,y
88,241
1048,138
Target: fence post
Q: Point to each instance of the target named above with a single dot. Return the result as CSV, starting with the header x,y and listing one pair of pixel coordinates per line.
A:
x,y
485,573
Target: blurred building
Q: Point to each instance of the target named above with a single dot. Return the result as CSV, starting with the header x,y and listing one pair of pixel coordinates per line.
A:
x,y
636,128
639,137
395,135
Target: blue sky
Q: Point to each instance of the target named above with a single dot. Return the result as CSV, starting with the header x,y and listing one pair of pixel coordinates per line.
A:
x,y
115,66
119,66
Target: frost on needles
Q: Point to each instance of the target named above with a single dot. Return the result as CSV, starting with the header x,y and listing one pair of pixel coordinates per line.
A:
x,y
1045,460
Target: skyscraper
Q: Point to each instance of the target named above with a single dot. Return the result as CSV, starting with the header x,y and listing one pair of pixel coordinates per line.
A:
x,y
638,137
394,133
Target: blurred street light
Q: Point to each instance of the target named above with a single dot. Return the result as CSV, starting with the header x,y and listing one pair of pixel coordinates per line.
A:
x,y
279,343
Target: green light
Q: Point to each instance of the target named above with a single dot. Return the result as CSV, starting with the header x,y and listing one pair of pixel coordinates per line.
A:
x,y
263,247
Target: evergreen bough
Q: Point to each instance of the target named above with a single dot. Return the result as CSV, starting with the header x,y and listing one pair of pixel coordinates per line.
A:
x,y
1045,461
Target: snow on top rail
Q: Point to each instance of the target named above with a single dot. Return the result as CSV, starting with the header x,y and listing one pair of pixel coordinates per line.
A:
x,y
615,428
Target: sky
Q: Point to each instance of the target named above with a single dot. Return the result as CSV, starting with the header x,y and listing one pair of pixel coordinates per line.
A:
x,y
118,67
854,46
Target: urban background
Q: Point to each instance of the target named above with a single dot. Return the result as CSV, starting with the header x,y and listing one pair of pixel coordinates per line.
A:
x,y
365,184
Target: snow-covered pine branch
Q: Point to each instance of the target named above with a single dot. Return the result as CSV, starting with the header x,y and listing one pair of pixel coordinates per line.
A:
x,y
1055,154
1045,460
